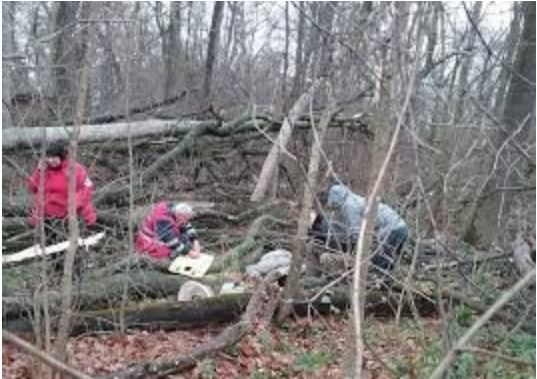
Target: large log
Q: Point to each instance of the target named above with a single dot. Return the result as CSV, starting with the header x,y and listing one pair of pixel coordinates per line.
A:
x,y
12,137
95,293
257,316
171,315
165,315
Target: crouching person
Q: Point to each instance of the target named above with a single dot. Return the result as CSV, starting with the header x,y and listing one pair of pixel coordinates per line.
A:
x,y
166,233
391,231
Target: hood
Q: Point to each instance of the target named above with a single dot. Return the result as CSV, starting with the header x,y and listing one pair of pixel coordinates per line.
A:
x,y
337,195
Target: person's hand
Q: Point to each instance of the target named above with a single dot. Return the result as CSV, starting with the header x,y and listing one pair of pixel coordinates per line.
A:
x,y
194,254
42,164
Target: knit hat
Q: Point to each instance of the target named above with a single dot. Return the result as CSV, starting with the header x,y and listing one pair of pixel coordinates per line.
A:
x,y
57,149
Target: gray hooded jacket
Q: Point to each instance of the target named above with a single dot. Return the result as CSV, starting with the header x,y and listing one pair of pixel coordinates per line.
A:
x,y
351,208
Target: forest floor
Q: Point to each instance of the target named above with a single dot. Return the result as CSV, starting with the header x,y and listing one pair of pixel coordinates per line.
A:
x,y
303,348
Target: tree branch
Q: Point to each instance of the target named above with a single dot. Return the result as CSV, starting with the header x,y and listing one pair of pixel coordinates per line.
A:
x,y
451,355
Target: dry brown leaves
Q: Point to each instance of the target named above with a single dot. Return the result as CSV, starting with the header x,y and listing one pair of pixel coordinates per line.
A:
x,y
304,349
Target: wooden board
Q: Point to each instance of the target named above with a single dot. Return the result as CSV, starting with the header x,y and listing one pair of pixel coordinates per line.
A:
x,y
36,251
192,267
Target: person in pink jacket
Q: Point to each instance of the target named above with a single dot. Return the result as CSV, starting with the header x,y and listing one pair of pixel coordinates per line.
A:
x,y
166,233
51,205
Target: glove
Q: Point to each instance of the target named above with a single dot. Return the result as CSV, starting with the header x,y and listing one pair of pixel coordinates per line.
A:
x,y
182,249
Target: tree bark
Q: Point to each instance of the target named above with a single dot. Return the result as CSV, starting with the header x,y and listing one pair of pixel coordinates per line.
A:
x,y
285,60
212,49
299,240
106,290
298,75
64,323
14,137
8,48
518,118
172,51
69,50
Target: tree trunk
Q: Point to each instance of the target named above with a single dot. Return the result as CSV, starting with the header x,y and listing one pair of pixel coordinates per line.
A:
x,y
451,137
8,48
212,49
511,43
518,118
299,70
172,52
101,292
64,323
285,60
69,47
382,120
15,137
299,240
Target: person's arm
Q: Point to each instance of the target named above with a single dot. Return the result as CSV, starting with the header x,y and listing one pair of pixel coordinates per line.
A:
x,y
190,232
196,250
165,233
84,194
33,181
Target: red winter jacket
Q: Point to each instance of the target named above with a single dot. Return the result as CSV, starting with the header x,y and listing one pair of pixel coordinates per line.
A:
x,y
56,190
148,240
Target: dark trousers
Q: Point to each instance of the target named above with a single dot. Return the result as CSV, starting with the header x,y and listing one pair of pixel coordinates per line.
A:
x,y
387,250
56,231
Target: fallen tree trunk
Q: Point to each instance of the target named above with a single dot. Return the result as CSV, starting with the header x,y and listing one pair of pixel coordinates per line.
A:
x,y
95,293
266,176
172,315
258,314
13,137
168,315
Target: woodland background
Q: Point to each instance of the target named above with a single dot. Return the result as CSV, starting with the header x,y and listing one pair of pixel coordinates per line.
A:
x,y
209,85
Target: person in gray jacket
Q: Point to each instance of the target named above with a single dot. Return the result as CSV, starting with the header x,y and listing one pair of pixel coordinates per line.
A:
x,y
391,231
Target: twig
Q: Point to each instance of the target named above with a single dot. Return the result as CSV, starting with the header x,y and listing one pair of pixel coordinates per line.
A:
x,y
42,356
496,354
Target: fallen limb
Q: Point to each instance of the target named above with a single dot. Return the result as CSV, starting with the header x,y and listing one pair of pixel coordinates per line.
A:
x,y
481,258
478,324
266,176
506,358
42,356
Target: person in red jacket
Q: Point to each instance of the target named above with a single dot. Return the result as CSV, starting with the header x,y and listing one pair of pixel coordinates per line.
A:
x,y
166,233
51,205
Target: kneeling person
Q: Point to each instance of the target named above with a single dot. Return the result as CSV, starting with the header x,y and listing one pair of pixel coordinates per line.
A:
x,y
391,231
166,233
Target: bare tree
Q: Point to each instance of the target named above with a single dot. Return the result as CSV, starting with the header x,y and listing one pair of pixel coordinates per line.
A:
x,y
8,49
299,241
172,51
212,48
67,288
70,46
518,115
